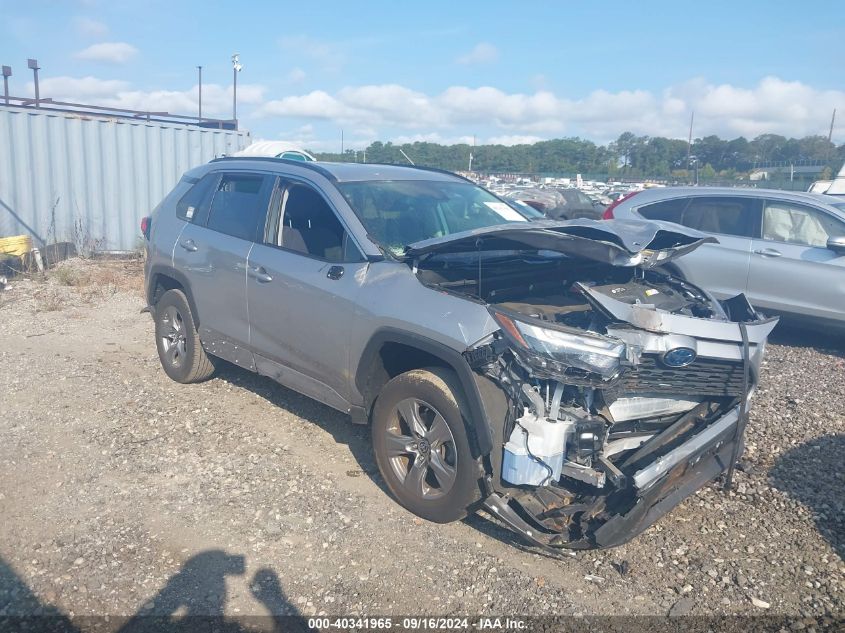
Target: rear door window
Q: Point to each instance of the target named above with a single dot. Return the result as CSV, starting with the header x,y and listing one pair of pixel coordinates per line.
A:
x,y
723,215
239,205
799,224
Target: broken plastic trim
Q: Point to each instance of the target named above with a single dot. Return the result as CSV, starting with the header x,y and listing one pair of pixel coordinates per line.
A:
x,y
710,444
652,320
498,507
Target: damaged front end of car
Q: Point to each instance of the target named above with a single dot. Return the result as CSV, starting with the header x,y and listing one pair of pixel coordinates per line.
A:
x,y
614,390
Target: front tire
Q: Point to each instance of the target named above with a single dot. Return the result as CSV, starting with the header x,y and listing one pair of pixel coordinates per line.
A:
x,y
179,348
421,445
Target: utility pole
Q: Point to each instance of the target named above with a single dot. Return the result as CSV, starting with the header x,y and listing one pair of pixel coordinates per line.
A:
x,y
199,115
33,64
236,68
341,144
7,72
689,141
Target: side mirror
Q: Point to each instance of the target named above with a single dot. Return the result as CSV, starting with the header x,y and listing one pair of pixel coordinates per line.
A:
x,y
837,244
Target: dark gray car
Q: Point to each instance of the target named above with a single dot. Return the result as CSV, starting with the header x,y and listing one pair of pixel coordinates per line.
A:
x,y
784,250
548,371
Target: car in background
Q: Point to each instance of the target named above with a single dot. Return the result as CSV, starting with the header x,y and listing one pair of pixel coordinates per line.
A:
x,y
276,149
525,209
784,250
559,204
835,187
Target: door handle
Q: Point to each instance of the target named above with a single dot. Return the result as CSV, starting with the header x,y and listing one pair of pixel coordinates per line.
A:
x,y
259,274
335,272
768,252
188,245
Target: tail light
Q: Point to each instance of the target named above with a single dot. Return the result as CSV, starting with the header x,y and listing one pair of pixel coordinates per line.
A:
x,y
146,223
608,213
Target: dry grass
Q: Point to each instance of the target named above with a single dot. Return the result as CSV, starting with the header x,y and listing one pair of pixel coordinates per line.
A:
x,y
48,300
101,277
118,276
69,276
87,281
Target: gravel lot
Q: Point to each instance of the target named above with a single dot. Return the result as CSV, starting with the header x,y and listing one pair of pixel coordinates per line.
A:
x,y
122,492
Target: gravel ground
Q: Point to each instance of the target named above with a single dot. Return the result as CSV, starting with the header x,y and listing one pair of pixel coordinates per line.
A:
x,y
122,492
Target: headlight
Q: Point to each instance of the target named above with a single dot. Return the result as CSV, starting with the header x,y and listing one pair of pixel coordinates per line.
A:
x,y
590,353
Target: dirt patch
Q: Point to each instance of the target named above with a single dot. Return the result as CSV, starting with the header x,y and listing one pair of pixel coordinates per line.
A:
x,y
123,492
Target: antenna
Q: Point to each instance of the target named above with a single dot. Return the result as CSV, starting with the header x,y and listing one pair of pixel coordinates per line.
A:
x,y
406,156
689,141
832,121
199,85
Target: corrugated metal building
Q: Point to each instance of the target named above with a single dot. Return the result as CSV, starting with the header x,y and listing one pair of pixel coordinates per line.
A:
x,y
86,178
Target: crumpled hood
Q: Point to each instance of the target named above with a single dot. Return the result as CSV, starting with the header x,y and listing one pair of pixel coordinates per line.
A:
x,y
617,242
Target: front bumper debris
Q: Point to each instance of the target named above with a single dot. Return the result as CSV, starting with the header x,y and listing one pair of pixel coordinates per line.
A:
x,y
658,488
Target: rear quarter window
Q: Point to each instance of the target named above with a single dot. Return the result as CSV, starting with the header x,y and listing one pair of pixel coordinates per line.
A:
x,y
192,206
666,210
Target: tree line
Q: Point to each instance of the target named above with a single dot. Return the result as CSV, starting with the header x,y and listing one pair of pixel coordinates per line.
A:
x,y
629,156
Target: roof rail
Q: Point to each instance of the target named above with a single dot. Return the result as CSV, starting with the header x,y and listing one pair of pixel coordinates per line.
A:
x,y
424,168
313,166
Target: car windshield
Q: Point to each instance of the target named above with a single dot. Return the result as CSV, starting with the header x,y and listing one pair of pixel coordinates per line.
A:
x,y
400,212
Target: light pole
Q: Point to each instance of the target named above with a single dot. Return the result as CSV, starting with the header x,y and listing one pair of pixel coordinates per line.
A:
x,y
236,68
33,64
7,72
199,115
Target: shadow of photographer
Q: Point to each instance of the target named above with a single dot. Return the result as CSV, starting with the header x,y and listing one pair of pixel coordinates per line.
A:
x,y
194,599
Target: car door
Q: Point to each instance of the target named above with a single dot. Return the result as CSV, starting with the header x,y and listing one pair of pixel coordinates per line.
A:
x,y
303,279
223,218
792,270
733,220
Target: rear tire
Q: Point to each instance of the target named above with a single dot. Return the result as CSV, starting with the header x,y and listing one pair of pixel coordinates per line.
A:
x,y
421,445
179,348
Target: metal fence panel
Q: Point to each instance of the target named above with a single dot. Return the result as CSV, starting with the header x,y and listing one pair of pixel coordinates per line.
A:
x,y
89,180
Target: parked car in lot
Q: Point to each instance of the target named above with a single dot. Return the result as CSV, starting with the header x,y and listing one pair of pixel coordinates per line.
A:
x,y
559,204
548,371
784,250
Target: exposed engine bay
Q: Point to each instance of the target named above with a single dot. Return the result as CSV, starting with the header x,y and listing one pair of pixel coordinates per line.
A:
x,y
625,386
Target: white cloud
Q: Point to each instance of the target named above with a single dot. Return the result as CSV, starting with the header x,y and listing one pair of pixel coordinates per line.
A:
x,y
297,75
433,137
79,88
216,99
112,52
773,105
89,27
402,114
481,53
514,139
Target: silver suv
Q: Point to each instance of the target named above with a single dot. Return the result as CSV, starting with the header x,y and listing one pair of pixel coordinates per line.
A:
x,y
548,371
785,250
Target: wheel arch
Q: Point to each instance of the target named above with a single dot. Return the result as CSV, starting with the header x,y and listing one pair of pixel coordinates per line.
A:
x,y
390,352
164,278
